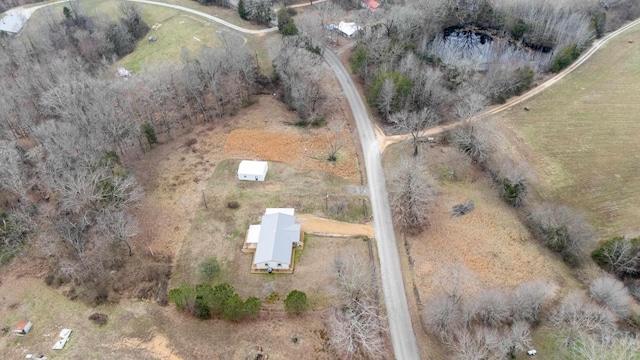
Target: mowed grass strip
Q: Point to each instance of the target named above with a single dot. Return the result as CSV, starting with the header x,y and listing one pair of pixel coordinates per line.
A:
x,y
584,132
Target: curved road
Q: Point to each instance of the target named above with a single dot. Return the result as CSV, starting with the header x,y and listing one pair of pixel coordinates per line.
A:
x,y
388,140
210,17
402,336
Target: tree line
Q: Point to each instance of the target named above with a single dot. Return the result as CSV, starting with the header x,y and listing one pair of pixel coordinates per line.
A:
x,y
69,129
407,65
497,324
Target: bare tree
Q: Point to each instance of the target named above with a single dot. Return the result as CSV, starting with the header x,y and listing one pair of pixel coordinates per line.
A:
x,y
118,225
300,72
563,229
470,103
612,294
529,298
468,344
411,193
414,123
335,138
615,345
11,172
386,97
490,308
619,255
356,326
442,316
577,314
475,140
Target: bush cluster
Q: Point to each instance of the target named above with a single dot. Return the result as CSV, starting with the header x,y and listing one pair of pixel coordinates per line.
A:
x,y
206,302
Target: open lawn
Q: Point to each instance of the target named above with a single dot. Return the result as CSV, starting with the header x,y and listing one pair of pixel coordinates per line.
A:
x,y
173,29
582,134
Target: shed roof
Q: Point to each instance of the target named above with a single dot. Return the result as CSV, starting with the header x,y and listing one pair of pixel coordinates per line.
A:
x,y
252,167
348,28
22,327
278,232
12,22
372,4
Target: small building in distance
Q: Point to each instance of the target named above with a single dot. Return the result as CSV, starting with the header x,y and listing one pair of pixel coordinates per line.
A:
x,y
12,22
252,170
22,327
348,29
372,5
274,241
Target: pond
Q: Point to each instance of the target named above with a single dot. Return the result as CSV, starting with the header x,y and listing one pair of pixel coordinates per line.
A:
x,y
481,48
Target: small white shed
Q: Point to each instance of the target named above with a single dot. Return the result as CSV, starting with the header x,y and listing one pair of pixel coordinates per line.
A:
x,y
252,170
22,327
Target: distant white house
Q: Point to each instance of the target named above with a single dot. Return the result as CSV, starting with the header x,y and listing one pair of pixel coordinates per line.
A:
x,y
12,22
252,170
274,241
124,72
348,29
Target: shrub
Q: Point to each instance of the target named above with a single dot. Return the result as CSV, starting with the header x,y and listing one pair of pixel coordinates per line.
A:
x,y
232,308
358,60
99,318
182,297
513,192
209,268
252,307
233,204
598,24
290,28
242,10
296,302
564,57
149,133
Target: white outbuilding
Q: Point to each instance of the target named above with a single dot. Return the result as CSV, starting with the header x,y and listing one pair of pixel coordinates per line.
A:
x,y
252,170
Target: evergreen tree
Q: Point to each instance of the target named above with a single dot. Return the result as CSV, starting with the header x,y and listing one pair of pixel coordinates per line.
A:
x,y
242,10
296,302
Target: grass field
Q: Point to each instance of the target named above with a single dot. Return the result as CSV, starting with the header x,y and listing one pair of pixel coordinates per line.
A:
x,y
582,137
175,30
220,231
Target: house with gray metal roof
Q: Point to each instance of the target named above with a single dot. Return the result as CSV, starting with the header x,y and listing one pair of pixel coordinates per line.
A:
x,y
12,22
274,241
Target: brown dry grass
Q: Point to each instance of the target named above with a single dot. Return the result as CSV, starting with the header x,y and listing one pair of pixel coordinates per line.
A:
x,y
174,175
491,245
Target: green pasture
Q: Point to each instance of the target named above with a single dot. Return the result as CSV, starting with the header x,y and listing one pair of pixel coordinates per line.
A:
x,y
584,134
174,30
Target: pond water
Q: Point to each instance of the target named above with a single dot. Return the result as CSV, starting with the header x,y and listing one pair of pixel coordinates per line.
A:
x,y
480,50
